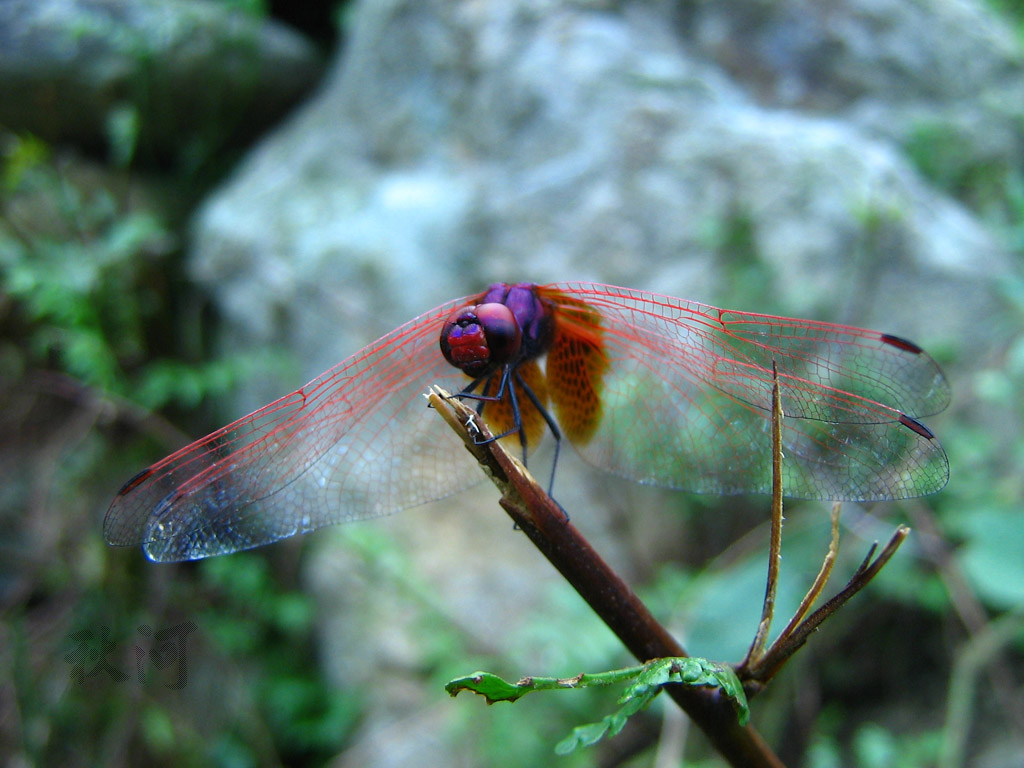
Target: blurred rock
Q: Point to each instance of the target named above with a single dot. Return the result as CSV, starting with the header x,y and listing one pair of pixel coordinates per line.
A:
x,y
457,144
891,67
194,73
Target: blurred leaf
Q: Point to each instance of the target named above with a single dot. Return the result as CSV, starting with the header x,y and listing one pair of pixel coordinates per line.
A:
x,y
123,125
229,751
823,753
992,557
76,292
875,746
293,613
21,156
157,729
87,356
255,8
187,384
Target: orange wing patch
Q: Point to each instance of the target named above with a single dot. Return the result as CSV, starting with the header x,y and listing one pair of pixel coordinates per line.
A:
x,y
499,415
575,368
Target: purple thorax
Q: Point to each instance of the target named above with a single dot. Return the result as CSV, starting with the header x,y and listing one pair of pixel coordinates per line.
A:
x,y
532,314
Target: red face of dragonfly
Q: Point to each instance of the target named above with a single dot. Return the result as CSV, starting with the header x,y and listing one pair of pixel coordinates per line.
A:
x,y
660,390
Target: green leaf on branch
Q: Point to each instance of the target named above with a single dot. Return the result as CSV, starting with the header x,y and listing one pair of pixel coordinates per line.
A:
x,y
493,688
651,678
647,682
591,733
691,671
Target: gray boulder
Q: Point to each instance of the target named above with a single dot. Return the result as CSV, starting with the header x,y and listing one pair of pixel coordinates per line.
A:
x,y
192,74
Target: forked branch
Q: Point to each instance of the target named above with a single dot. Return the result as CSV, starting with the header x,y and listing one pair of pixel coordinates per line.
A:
x,y
760,666
548,527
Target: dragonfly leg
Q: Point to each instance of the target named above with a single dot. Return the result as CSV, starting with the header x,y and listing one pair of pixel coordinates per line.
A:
x,y
552,425
469,391
484,398
511,380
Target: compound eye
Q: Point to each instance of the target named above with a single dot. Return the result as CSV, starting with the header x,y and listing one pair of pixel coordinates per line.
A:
x,y
504,336
481,338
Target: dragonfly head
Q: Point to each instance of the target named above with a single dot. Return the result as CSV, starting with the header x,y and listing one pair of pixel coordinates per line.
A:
x,y
480,339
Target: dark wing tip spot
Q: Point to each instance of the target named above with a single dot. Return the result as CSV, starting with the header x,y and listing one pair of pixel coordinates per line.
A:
x,y
917,426
136,481
900,343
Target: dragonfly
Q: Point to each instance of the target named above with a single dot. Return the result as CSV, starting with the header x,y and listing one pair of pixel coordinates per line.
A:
x,y
657,389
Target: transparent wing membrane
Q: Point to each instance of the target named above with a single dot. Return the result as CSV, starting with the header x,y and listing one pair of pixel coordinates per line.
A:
x,y
656,389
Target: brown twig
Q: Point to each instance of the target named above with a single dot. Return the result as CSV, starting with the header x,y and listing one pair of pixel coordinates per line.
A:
x,y
821,579
760,666
775,539
757,675
548,527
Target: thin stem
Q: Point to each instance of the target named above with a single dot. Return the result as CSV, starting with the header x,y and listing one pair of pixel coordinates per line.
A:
x,y
759,666
822,578
980,651
775,544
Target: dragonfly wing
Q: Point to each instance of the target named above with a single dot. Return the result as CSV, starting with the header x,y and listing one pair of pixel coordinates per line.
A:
x,y
686,393
356,442
829,372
